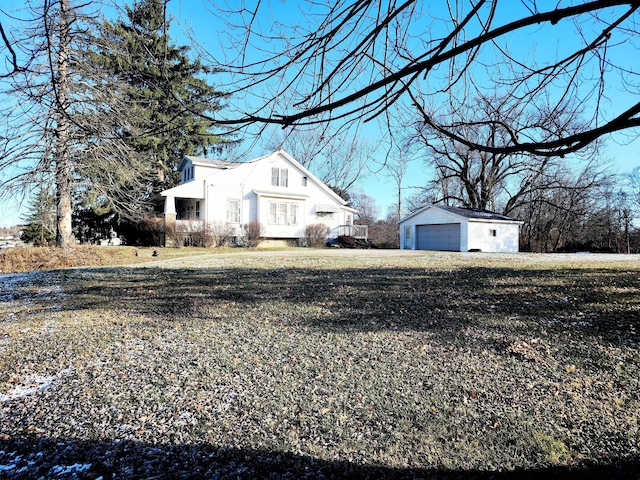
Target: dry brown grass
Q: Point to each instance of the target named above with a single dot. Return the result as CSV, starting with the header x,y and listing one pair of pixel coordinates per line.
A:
x,y
433,365
29,259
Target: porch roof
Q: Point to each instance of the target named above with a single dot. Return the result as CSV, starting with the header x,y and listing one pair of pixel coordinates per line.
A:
x,y
186,190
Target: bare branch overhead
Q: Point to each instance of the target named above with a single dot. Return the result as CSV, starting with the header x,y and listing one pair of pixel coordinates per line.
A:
x,y
352,61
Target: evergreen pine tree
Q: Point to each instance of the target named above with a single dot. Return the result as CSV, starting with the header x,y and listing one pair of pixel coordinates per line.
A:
x,y
40,224
166,90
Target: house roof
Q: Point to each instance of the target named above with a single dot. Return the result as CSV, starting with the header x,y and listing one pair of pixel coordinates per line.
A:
x,y
310,175
224,165
206,162
469,213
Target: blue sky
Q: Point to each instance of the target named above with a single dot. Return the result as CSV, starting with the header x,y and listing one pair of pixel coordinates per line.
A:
x,y
195,15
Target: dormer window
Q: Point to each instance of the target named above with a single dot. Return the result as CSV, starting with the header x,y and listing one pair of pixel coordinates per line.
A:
x,y
188,173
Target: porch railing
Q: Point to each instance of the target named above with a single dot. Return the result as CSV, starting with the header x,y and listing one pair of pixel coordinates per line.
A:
x,y
355,231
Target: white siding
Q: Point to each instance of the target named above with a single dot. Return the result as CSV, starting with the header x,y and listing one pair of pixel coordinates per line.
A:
x,y
252,183
505,240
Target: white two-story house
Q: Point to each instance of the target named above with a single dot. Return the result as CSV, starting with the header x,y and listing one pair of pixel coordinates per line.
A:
x,y
274,190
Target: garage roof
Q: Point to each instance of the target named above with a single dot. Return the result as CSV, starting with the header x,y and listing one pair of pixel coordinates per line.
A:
x,y
470,213
475,213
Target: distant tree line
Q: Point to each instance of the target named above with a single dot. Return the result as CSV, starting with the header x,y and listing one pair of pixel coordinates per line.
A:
x,y
582,216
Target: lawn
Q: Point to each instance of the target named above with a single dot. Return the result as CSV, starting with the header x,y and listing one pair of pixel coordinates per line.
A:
x,y
288,365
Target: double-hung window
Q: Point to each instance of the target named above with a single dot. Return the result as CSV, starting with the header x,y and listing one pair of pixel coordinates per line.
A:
x,y
279,177
283,209
233,210
283,213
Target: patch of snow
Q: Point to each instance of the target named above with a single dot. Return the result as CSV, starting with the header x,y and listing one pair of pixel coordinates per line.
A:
x,y
30,385
125,427
69,469
21,286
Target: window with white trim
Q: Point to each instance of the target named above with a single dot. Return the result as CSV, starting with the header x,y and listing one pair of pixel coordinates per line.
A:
x,y
197,210
233,210
279,177
407,233
281,213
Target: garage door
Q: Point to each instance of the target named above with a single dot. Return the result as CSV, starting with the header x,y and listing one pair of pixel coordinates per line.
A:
x,y
438,237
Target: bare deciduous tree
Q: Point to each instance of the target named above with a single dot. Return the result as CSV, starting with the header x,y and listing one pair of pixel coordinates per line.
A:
x,y
367,208
485,180
65,120
353,60
397,169
554,214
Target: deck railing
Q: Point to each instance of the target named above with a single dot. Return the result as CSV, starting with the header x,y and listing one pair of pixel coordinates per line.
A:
x,y
355,231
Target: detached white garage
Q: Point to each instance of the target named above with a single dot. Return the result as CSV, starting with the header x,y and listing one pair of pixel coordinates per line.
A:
x,y
459,229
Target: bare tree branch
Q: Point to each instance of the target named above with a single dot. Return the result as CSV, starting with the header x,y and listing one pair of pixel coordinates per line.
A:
x,y
354,60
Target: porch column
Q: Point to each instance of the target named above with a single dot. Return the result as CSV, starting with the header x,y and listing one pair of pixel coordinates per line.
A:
x,y
169,220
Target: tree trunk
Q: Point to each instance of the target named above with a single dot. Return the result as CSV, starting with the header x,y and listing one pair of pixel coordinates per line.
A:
x,y
64,235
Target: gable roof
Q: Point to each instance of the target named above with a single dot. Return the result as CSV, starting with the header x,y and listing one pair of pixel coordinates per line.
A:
x,y
222,165
475,213
310,176
465,212
206,162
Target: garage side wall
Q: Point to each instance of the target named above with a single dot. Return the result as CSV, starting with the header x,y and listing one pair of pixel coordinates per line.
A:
x,y
493,236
